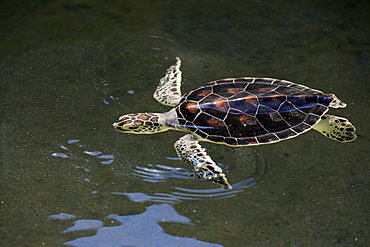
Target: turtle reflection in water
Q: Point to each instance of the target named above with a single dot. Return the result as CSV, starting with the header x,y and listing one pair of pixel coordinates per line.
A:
x,y
236,112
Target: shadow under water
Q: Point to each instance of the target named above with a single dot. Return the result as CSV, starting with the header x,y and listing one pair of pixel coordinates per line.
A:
x,y
134,230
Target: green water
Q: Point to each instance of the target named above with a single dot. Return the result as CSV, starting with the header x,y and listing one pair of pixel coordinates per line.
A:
x,y
69,69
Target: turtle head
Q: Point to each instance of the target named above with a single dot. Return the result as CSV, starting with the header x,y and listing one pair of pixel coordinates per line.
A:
x,y
141,123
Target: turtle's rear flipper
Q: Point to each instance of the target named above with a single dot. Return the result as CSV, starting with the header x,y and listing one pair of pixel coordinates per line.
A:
x,y
336,128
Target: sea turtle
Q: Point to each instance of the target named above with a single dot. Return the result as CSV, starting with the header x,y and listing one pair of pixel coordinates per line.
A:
x,y
236,112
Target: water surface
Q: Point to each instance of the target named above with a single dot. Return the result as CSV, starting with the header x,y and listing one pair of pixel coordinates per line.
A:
x,y
70,69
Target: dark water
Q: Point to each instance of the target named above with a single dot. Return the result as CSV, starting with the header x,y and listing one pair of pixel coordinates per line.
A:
x,y
69,69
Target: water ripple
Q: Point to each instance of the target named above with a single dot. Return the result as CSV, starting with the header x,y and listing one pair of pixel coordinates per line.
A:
x,y
155,175
184,194
160,173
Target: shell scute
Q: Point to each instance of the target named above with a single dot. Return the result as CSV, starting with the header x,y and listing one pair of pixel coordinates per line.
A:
x,y
211,125
325,99
247,141
318,109
215,112
248,127
270,137
215,123
284,83
299,128
258,89
231,141
200,132
285,134
223,81
199,94
272,122
230,90
259,81
311,119
220,104
189,110
293,117
273,102
263,109
307,101
244,80
286,107
247,105
216,138
240,95
215,106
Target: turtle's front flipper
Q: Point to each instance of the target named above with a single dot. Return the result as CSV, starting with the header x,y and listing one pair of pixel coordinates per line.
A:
x,y
189,150
336,128
169,89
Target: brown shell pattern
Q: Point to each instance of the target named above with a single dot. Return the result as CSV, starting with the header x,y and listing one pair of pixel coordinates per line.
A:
x,y
251,111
